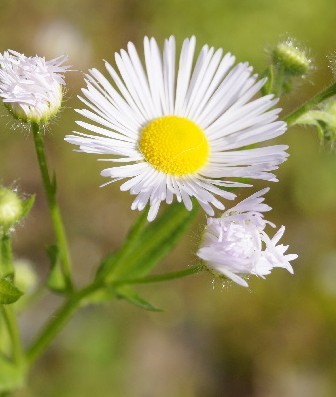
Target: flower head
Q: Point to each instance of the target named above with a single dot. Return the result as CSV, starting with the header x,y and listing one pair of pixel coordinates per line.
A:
x,y
236,244
179,133
31,87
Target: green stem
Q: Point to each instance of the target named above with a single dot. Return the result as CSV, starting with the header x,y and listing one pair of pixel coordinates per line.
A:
x,y
6,259
72,303
13,331
320,97
157,278
56,218
8,310
58,320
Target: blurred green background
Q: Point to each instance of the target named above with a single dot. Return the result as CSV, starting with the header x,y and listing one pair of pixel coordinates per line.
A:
x,y
277,338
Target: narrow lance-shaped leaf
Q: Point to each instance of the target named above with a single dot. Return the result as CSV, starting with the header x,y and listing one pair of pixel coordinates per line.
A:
x,y
156,241
133,297
55,280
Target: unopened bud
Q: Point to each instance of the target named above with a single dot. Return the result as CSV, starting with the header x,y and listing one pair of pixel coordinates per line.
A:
x,y
25,276
11,208
293,59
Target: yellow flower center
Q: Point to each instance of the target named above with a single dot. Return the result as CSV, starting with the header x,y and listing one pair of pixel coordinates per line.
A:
x,y
174,145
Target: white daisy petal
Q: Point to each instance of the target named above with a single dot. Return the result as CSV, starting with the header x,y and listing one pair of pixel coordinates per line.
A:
x,y
179,133
169,73
183,77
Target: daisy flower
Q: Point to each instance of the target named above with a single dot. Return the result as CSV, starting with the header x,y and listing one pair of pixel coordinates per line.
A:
x,y
179,129
236,244
31,87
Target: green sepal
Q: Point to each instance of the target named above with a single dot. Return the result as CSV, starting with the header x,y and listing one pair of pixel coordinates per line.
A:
x,y
267,88
11,376
131,296
9,293
27,205
55,280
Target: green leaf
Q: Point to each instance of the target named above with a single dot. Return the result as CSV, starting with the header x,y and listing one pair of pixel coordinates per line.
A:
x,y
27,205
11,377
105,265
104,294
158,240
9,293
55,280
113,259
133,297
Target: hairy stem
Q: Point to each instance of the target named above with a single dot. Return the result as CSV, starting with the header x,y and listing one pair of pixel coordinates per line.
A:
x,y
320,97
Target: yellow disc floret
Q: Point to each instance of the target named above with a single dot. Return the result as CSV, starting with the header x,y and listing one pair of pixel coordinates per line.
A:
x,y
174,145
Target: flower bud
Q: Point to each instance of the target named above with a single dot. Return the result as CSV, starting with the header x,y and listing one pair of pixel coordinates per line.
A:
x,y
25,276
293,59
11,208
31,87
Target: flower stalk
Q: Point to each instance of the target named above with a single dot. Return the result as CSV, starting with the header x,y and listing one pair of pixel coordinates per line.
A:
x,y
330,91
50,190
58,320
6,259
7,311
14,334
73,302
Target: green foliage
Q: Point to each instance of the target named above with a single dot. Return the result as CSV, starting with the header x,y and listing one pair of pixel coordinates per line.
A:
x,y
55,280
157,240
11,376
9,293
134,298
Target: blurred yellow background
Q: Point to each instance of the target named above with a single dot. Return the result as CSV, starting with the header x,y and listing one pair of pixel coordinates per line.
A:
x,y
277,338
